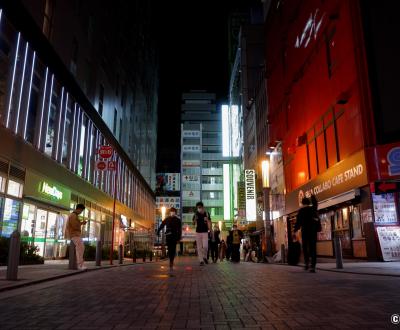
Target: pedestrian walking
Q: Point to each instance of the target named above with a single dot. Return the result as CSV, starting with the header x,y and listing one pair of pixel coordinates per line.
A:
x,y
73,232
202,221
173,234
229,247
308,222
236,237
214,242
222,250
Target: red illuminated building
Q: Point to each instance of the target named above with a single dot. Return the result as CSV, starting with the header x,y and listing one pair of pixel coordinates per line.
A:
x,y
331,68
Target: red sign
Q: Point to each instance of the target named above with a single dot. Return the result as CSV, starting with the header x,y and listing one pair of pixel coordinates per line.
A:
x,y
101,165
112,165
105,151
386,187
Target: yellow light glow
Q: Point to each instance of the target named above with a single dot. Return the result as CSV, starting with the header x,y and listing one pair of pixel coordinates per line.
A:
x,y
265,173
163,211
220,225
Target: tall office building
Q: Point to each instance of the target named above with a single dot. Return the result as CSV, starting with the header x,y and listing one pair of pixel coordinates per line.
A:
x,y
59,103
201,157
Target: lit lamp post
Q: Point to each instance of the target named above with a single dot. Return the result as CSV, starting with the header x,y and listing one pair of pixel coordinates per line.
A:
x,y
265,169
163,211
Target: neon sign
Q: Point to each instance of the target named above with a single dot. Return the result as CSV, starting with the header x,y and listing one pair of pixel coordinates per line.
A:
x,y
51,191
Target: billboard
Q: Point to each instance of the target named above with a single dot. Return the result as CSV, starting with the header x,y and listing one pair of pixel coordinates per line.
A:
x,y
168,202
168,182
251,205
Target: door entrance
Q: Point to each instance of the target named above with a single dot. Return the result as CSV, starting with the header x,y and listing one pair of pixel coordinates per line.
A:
x,y
44,229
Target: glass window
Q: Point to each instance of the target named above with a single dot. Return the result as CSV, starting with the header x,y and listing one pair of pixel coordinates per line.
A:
x,y
51,119
67,131
356,222
326,229
2,183
15,188
11,215
82,145
28,222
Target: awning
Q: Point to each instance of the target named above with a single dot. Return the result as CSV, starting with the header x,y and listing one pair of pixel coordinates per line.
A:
x,y
347,196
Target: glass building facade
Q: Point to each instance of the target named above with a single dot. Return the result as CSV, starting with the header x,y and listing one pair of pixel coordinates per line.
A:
x,y
52,136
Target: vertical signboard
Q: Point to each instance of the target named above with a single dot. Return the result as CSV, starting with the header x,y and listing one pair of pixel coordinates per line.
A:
x,y
250,185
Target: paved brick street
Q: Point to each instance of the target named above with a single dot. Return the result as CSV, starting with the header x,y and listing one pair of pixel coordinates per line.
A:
x,y
220,296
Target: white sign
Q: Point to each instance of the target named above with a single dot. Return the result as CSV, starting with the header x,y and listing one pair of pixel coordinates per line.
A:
x,y
168,202
192,195
191,178
384,208
191,148
251,201
389,240
191,134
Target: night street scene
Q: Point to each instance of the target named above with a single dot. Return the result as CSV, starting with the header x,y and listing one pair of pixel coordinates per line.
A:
x,y
212,164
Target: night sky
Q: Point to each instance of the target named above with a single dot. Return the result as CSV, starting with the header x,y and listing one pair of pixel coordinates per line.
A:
x,y
193,55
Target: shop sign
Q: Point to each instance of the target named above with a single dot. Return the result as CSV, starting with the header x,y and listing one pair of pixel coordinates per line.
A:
x,y
191,148
384,208
241,189
346,175
251,203
193,195
51,191
47,190
105,151
191,134
168,202
191,179
389,240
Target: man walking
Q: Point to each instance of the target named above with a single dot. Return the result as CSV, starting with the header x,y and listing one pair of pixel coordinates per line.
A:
x,y
74,232
173,234
214,241
236,236
307,221
202,221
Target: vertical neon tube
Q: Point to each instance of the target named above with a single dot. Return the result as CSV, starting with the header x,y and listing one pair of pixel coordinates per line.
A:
x,y
59,122
29,93
49,109
12,81
227,192
63,131
41,113
21,89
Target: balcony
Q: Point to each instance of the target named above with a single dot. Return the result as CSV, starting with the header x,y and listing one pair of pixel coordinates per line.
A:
x,y
213,203
209,171
212,186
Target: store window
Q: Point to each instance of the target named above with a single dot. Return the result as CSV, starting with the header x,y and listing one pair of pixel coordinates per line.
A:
x,y
51,117
28,223
10,218
15,188
356,222
326,227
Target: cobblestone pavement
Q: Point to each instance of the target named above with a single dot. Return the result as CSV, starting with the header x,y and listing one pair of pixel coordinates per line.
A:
x,y
216,296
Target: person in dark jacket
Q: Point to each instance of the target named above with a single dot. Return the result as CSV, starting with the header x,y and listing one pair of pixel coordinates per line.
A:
x,y
202,221
306,222
173,234
214,242
236,236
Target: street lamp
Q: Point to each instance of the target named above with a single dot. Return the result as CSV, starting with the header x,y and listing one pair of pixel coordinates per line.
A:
x,y
163,212
265,171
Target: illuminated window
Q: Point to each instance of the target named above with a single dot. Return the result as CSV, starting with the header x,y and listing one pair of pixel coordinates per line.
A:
x,y
2,184
15,188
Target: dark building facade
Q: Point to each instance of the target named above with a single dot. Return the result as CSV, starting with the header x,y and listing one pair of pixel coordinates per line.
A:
x,y
331,76
52,125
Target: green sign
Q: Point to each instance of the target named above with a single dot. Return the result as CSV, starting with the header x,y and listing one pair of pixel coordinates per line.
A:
x,y
51,190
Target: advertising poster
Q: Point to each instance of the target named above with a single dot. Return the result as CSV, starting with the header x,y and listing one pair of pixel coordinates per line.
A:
x,y
384,208
11,216
389,240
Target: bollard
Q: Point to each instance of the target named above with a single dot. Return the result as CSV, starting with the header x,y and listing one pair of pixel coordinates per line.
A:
x,y
283,253
72,256
120,256
98,254
338,253
13,256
